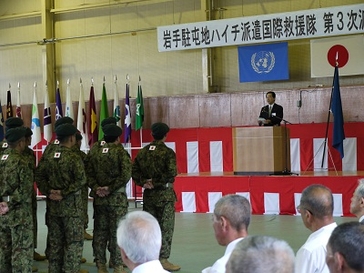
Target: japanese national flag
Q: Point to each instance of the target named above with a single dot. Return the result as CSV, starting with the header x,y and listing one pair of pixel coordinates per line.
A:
x,y
348,49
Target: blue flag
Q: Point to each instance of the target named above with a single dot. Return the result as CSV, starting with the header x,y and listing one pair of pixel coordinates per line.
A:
x,y
1,123
59,111
268,62
338,134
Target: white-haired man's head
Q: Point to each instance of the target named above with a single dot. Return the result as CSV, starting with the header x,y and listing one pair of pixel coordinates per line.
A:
x,y
261,254
139,237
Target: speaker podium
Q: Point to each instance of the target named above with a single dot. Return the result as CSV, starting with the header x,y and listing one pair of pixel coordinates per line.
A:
x,y
261,150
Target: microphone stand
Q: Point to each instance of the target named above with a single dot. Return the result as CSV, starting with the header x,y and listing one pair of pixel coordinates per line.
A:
x,y
285,171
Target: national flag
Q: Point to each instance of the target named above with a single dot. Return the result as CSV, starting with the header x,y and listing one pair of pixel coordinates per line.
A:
x,y
69,106
116,112
59,111
18,107
268,62
338,134
35,126
323,55
139,114
104,111
9,106
127,120
92,118
47,120
1,123
81,119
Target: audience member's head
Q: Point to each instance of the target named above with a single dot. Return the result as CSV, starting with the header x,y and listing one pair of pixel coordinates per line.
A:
x,y
231,218
316,207
345,248
357,201
261,254
139,238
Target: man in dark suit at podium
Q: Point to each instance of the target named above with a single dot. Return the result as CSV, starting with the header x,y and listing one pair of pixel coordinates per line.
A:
x,y
271,114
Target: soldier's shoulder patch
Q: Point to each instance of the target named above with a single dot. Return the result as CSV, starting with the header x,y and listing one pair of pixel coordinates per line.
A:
x,y
102,143
5,145
152,147
57,155
56,141
105,150
4,157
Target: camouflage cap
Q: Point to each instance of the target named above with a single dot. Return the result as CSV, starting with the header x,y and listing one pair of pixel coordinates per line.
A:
x,y
63,120
159,129
65,130
13,122
112,130
109,120
29,132
14,134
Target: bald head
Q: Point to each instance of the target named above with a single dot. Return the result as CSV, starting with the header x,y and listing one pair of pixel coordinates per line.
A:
x,y
318,200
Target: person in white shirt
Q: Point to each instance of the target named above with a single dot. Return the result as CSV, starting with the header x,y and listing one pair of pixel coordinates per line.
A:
x,y
316,208
261,254
231,220
139,238
345,249
357,201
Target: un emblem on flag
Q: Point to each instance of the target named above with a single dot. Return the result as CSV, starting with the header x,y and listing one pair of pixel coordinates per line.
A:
x,y
263,61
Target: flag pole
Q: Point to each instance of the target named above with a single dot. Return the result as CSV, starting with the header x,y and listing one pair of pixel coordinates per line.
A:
x,y
329,113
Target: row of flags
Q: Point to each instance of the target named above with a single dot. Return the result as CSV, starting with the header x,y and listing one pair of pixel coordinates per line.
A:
x,y
87,122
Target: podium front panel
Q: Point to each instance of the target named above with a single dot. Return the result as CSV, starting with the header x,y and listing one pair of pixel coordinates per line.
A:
x,y
261,150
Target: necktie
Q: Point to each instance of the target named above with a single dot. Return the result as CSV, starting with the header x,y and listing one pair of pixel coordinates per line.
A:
x,y
270,110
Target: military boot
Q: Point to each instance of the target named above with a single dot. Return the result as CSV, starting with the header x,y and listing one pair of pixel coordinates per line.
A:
x,y
83,271
87,236
101,268
38,257
119,269
169,266
34,269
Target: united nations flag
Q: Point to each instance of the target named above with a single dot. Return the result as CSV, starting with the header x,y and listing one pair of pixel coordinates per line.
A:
x,y
268,62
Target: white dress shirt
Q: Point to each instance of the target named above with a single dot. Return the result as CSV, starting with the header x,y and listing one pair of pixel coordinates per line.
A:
x,y
311,257
154,266
219,265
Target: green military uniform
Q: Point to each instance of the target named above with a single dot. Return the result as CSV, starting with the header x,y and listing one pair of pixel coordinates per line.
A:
x,y
158,162
16,186
108,167
31,159
84,190
63,170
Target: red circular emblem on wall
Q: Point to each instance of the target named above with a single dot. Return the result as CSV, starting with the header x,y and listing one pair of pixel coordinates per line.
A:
x,y
340,53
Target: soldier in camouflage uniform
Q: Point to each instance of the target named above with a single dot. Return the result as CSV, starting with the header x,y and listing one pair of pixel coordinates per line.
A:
x,y
31,159
61,176
84,191
16,222
108,172
154,169
100,143
54,145
12,122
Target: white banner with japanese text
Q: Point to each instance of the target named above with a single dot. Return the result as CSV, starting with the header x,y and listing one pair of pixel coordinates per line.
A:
x,y
303,24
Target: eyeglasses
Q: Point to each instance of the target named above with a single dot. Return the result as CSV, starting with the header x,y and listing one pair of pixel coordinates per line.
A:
x,y
300,208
